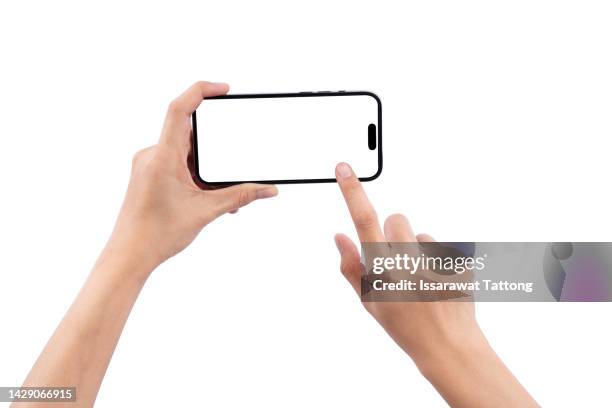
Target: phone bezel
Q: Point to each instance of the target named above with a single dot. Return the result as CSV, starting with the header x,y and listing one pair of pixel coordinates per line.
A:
x,y
289,95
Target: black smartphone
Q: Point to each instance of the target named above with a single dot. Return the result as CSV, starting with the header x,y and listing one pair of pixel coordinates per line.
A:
x,y
287,138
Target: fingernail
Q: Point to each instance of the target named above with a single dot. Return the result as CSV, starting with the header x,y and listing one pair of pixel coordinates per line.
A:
x,y
343,170
265,193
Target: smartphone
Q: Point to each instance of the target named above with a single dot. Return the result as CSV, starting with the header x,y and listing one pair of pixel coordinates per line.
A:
x,y
287,138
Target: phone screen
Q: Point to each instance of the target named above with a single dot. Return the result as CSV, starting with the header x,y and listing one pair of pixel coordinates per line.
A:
x,y
287,138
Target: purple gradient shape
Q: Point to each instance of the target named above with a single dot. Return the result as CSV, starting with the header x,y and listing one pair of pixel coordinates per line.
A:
x,y
586,280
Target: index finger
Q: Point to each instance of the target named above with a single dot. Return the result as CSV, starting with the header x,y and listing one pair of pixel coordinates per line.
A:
x,y
180,109
362,212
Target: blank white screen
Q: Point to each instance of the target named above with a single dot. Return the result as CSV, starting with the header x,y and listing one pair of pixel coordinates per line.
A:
x,y
285,138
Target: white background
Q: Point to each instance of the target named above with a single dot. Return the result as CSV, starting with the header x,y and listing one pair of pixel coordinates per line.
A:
x,y
497,127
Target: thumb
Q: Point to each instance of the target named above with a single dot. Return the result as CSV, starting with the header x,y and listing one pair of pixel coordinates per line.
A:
x,y
232,198
350,262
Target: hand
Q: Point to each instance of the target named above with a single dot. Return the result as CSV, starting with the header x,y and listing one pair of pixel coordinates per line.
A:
x,y
419,328
442,337
164,209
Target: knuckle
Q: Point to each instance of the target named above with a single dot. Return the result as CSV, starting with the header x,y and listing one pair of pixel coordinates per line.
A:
x,y
175,107
344,267
365,219
243,198
201,84
350,271
137,158
140,155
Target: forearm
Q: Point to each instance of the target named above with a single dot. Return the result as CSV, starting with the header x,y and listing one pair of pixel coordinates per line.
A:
x,y
468,373
79,351
163,211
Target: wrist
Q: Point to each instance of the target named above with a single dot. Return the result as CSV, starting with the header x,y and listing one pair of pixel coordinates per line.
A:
x,y
129,256
467,372
453,353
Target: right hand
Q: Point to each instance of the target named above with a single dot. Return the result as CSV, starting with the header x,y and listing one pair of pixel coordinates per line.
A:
x,y
442,337
421,329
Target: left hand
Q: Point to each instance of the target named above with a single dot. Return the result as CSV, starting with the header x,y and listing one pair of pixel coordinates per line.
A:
x,y
164,209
